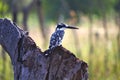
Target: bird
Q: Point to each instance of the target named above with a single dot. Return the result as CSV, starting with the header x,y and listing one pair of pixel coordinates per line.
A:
x,y
57,36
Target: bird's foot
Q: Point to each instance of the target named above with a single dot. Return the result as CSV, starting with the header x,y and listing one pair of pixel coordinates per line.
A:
x,y
48,52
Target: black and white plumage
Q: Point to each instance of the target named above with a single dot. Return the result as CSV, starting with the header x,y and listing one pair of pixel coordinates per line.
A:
x,y
56,39
57,36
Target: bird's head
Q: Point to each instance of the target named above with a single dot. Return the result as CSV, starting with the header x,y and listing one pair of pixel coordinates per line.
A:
x,y
62,26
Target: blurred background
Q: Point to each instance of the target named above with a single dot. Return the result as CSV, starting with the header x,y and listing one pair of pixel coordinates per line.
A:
x,y
97,41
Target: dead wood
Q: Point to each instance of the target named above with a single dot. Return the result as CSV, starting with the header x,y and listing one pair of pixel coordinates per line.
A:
x,y
30,63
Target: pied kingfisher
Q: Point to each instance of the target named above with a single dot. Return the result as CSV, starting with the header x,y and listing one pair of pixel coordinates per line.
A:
x,y
57,36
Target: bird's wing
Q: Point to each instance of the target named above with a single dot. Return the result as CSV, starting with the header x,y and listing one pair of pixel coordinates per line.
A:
x,y
60,37
52,40
56,39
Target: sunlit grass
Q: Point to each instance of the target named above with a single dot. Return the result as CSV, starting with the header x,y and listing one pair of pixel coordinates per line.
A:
x,y
98,69
6,70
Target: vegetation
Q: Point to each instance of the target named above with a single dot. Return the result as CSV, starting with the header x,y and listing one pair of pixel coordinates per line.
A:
x,y
98,37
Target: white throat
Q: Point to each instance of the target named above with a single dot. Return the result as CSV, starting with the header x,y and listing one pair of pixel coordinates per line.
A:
x,y
61,29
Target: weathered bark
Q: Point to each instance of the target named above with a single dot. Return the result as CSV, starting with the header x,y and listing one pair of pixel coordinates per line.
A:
x,y
30,63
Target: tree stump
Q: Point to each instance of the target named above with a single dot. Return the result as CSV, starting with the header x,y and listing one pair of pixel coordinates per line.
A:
x,y
30,63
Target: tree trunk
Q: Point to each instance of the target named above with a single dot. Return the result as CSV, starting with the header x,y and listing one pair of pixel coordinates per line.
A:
x,y
90,35
90,39
41,18
105,26
106,40
118,36
14,13
25,18
26,11
30,63
74,20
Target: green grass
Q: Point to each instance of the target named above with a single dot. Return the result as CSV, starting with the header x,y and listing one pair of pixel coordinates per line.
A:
x,y
6,70
98,69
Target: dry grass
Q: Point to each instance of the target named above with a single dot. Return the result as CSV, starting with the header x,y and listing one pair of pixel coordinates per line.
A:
x,y
96,60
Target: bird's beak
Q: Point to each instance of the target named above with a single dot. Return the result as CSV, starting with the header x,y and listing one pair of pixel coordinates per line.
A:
x,y
70,27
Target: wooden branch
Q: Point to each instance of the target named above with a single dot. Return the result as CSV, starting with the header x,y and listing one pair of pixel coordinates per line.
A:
x,y
30,63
